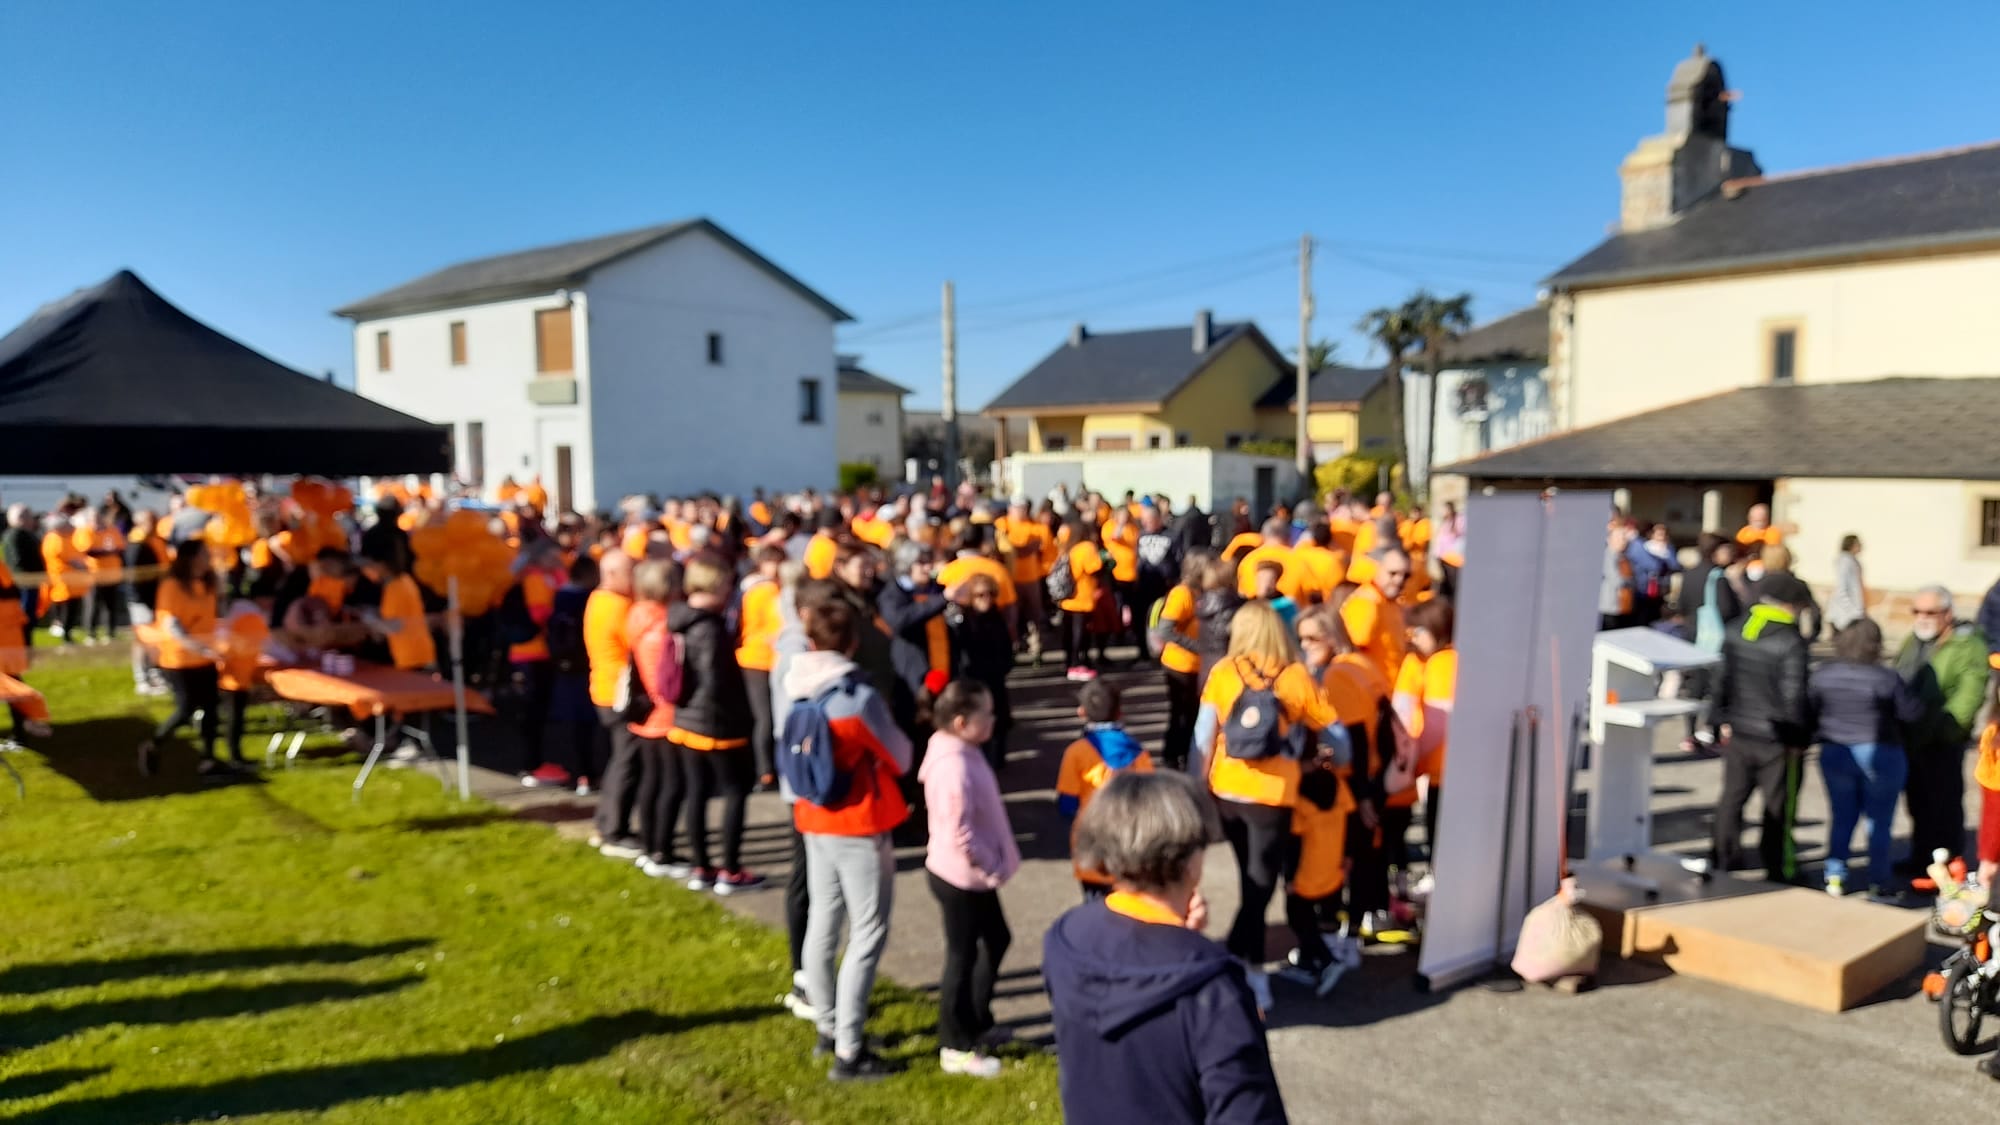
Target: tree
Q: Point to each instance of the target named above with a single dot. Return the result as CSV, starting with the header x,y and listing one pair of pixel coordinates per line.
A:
x,y
1393,330
1320,353
1439,322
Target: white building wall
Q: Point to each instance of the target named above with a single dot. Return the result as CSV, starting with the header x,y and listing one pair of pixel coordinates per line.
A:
x,y
870,431
1913,533
1202,473
491,387
664,419
1644,346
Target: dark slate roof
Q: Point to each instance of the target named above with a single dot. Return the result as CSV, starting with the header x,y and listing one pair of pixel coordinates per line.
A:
x,y
1141,367
1890,206
856,380
1880,428
1516,336
1329,384
546,268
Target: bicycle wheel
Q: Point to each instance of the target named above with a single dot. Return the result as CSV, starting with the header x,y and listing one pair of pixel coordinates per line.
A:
x,y
1962,1008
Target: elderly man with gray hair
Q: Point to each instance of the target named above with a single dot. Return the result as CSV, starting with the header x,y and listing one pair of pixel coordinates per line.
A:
x,y
1944,662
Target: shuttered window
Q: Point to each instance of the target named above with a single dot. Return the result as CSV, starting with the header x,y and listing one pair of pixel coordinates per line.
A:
x,y
381,351
555,349
458,343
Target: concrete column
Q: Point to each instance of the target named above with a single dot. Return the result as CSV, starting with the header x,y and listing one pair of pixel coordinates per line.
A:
x,y
1000,437
1711,510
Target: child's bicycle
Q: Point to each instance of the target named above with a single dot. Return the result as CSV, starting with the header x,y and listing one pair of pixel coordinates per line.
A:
x,y
1967,985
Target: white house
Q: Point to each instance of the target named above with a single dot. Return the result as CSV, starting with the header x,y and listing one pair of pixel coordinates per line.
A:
x,y
672,359
1492,394
869,429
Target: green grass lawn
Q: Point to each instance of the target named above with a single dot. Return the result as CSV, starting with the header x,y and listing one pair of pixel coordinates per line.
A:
x,y
271,951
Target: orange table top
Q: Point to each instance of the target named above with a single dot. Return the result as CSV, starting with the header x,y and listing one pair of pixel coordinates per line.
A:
x,y
373,689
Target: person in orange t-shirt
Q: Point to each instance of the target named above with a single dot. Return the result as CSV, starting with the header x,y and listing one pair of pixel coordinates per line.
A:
x,y
1319,566
1275,546
759,621
1177,635
103,551
1374,619
1103,752
1425,690
186,613
400,617
609,651
1024,544
540,576
68,579
1759,530
1088,570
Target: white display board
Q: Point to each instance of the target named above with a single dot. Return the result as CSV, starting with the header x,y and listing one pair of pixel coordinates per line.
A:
x,y
1526,615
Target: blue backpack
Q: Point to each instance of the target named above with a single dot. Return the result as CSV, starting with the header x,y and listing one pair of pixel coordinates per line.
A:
x,y
805,751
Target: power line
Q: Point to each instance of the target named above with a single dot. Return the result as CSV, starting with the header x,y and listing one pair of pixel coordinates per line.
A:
x,y
1401,251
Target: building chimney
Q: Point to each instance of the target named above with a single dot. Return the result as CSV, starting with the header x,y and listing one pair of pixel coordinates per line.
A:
x,y
1668,173
1078,334
1204,330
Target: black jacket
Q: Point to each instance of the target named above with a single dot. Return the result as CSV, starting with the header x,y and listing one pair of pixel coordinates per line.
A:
x,y
982,649
21,549
872,654
713,701
1215,609
1854,704
1761,693
908,614
1694,588
1154,1016
1160,555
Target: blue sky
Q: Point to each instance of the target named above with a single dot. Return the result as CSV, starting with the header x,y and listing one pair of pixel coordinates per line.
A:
x,y
1117,163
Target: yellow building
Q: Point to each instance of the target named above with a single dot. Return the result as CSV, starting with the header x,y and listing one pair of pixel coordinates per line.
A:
x,y
1821,340
1161,388
1347,411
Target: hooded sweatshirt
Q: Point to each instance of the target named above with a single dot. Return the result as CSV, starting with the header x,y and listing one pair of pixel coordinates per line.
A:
x,y
868,747
1154,1015
971,840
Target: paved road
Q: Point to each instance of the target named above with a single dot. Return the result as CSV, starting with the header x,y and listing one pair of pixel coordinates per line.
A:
x,y
1647,1046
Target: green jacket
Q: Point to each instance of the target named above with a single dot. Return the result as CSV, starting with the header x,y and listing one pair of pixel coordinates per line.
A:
x,y
1953,687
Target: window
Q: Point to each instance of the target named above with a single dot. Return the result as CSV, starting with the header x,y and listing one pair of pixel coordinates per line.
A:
x,y
381,351
808,399
565,479
1233,441
715,348
875,417
475,454
1183,439
458,343
1784,353
1989,523
1152,441
1055,443
555,349
1119,443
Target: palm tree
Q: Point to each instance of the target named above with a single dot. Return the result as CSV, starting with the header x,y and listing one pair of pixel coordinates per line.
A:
x,y
1439,322
1394,330
1320,354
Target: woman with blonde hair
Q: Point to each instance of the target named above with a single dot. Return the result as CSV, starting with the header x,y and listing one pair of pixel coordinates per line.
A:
x,y
1261,713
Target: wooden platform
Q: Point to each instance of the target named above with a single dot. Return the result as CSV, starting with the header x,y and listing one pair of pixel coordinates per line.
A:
x,y
1797,945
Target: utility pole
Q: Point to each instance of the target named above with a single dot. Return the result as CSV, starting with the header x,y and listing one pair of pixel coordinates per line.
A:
x,y
950,411
1303,397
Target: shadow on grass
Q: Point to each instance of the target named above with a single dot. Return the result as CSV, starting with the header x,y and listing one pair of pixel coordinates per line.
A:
x,y
49,976
314,1088
50,1022
41,1085
101,755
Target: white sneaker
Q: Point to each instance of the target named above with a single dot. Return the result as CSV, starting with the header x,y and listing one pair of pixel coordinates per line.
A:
x,y
1836,886
672,869
58,632
796,1003
972,1064
620,849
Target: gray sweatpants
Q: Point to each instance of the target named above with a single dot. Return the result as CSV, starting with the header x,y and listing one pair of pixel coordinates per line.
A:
x,y
851,879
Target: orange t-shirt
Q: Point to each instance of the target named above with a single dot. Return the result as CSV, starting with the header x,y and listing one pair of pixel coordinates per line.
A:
x,y
412,646
105,568
58,556
194,612
539,592
1246,571
1086,563
1083,772
1028,540
1769,537
820,553
1376,627
1270,781
1124,560
1425,691
1179,612
964,567
1243,545
604,641
1320,571
761,623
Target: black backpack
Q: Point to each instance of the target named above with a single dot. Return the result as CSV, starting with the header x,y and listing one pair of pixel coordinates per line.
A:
x,y
1256,727
513,623
565,636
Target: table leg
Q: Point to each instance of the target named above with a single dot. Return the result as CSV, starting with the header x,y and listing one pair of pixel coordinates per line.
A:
x,y
374,753
20,786
298,741
271,751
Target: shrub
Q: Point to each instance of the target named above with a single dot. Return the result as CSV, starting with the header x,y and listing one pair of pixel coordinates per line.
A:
x,y
857,474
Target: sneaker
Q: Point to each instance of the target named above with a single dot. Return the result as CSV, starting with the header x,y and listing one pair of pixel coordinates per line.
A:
x,y
796,1003
1084,675
1836,886
58,632
864,1067
667,869
996,1036
583,787
149,758
972,1064
701,878
1073,674
1705,737
620,849
35,728
823,1047
405,754
738,883
547,776
214,768
1328,978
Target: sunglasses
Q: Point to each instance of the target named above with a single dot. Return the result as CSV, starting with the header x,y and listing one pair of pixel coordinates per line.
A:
x,y
1311,638
1930,612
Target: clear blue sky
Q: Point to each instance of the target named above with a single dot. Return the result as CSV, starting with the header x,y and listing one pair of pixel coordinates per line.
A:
x,y
262,163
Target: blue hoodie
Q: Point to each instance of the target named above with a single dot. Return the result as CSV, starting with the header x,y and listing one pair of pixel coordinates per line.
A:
x,y
1154,1022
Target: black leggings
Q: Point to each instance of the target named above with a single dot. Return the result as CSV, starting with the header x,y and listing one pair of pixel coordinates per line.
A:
x,y
724,773
975,939
195,689
1183,702
762,737
798,901
1259,836
1076,638
661,788
536,680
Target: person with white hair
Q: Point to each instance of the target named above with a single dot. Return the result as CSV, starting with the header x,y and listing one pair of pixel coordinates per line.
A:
x,y
1944,662
21,551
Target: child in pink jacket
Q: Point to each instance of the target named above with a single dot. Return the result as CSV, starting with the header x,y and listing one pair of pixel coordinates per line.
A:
x,y
972,853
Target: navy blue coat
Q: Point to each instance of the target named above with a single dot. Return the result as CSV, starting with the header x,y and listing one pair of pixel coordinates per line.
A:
x,y
1154,1023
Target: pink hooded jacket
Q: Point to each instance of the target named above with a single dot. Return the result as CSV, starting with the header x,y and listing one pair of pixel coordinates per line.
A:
x,y
972,843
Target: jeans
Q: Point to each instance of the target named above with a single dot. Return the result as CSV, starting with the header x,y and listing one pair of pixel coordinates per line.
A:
x,y
852,880
1862,780
975,939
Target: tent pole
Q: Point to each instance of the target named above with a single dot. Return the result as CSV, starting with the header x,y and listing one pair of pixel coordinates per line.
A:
x,y
456,629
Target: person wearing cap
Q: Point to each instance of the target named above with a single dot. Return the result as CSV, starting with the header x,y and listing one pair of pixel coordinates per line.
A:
x,y
1763,706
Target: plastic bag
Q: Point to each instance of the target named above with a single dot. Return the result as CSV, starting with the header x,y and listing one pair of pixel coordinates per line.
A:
x,y
1558,939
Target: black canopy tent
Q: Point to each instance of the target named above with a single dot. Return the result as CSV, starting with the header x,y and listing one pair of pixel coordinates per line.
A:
x,y
114,379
